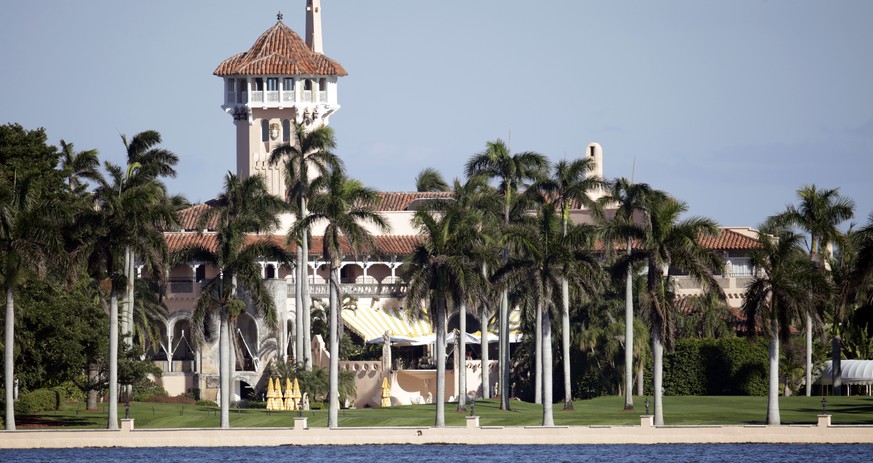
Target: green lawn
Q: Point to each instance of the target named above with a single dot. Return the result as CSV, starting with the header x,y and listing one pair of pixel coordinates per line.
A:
x,y
601,411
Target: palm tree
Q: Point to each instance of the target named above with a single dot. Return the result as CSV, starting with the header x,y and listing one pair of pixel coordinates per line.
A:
x,y
76,166
778,295
513,172
429,179
819,213
442,275
128,213
309,156
345,205
628,201
547,257
664,242
29,238
244,209
569,187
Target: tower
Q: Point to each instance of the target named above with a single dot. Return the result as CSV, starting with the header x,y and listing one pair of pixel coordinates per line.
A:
x,y
595,152
280,80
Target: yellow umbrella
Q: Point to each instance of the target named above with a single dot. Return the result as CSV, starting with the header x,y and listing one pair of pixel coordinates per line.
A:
x,y
386,393
295,394
270,392
289,404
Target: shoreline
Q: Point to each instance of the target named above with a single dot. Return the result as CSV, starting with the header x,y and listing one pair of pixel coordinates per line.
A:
x,y
472,434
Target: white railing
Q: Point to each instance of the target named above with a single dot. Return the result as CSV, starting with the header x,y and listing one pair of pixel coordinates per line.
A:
x,y
322,96
288,95
307,96
377,290
257,97
273,96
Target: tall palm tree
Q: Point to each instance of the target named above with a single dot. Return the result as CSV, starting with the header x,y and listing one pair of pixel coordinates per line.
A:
x,y
307,157
345,206
819,213
513,172
77,166
29,239
627,201
243,210
778,296
429,179
546,257
442,276
569,187
128,213
664,242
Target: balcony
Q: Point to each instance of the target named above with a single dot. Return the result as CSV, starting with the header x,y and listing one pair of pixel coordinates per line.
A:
x,y
356,289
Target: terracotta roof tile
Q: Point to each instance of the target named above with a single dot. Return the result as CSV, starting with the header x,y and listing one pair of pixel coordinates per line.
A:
x,y
279,50
386,245
400,201
729,239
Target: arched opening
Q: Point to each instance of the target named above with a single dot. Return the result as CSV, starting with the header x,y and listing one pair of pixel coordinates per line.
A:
x,y
246,333
270,271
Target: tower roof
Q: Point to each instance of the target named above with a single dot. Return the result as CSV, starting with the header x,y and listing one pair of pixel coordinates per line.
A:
x,y
279,50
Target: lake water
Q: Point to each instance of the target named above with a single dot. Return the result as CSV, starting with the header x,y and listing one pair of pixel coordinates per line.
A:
x,y
459,453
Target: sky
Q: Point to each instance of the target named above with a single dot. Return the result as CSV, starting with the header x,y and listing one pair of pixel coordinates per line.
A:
x,y
729,106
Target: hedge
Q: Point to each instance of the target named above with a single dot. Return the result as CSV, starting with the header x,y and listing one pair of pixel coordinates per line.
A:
x,y
40,400
729,366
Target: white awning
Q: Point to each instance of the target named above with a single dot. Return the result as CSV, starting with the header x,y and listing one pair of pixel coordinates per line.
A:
x,y
372,323
853,372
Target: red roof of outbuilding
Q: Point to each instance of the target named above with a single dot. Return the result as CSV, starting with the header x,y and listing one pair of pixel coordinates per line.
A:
x,y
280,51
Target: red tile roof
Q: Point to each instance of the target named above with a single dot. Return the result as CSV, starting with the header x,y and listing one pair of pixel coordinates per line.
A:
x,y
279,50
385,245
400,201
729,239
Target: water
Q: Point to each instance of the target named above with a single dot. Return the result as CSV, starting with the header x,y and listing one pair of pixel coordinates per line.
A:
x,y
459,453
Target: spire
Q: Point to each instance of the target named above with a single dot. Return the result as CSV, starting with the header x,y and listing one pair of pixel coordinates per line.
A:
x,y
279,16
313,25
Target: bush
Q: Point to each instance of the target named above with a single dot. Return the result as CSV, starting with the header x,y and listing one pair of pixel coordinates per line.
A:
x,y
205,403
165,399
40,400
146,390
728,366
70,392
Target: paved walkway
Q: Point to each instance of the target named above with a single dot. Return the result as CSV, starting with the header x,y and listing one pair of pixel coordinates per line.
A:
x,y
472,434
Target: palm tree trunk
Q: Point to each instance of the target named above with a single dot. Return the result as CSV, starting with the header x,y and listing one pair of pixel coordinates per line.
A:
x,y
640,366
538,363
658,375
93,373
483,348
440,421
628,338
461,356
808,354
298,306
565,342
8,358
504,355
837,366
773,394
113,360
546,336
307,300
224,368
333,396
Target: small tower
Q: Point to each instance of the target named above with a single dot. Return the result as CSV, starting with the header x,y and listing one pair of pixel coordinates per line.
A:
x,y
278,81
595,152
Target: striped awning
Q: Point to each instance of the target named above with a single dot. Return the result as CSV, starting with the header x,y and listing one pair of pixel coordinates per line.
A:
x,y
372,323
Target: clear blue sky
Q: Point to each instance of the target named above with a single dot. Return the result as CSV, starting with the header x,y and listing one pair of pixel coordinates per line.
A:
x,y
730,106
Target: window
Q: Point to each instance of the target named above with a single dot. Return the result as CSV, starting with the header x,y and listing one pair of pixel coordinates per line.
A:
x,y
200,273
288,83
231,85
307,84
286,130
273,84
259,84
265,131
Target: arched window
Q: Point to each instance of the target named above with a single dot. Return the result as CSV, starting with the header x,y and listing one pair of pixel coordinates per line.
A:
x,y
265,130
286,131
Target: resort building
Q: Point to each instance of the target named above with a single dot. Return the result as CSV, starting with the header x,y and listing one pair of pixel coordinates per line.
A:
x,y
282,79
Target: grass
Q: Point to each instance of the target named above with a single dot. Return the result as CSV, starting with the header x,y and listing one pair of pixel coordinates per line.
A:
x,y
688,410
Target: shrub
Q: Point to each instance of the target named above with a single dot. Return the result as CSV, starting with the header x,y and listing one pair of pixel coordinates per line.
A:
x,y
40,400
70,392
205,403
165,399
145,390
